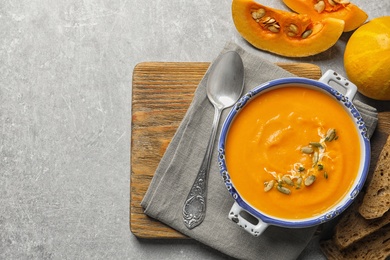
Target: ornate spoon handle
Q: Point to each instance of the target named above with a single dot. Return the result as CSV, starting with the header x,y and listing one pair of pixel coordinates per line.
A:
x,y
194,208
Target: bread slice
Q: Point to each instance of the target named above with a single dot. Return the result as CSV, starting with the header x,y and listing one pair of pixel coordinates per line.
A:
x,y
377,198
352,226
373,246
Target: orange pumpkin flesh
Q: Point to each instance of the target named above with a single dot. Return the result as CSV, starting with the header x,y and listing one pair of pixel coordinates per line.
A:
x,y
324,33
351,14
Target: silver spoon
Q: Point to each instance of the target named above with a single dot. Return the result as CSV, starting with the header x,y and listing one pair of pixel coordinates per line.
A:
x,y
224,87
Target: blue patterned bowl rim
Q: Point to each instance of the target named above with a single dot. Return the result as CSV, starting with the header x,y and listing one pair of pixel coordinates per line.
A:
x,y
364,165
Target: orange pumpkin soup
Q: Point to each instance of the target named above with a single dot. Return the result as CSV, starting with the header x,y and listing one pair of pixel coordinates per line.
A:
x,y
292,152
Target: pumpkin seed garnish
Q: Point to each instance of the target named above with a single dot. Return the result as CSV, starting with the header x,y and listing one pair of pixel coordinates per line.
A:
x,y
314,149
283,190
330,135
299,182
315,158
307,150
287,180
316,144
325,175
310,180
268,185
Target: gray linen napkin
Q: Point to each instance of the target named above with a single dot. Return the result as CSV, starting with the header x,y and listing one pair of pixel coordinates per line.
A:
x,y
181,161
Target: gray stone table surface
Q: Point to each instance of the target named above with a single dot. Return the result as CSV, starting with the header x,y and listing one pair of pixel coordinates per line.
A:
x,y
65,110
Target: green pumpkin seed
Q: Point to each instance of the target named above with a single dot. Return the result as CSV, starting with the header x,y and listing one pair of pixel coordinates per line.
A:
x,y
310,180
268,185
316,144
307,150
315,158
287,180
330,135
299,182
283,190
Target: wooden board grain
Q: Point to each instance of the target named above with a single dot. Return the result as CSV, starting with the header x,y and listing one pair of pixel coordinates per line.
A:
x,y
162,92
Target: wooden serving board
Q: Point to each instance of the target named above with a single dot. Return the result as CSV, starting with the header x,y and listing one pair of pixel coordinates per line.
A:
x,y
162,93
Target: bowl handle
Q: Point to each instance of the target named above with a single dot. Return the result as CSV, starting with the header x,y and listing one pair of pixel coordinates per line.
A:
x,y
332,76
236,216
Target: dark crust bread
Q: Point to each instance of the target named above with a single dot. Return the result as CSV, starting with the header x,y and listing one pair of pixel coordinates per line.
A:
x,y
358,237
352,226
373,246
376,201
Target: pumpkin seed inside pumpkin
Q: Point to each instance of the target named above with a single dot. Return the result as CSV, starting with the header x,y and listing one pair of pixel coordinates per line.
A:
x,y
258,14
272,28
320,6
306,34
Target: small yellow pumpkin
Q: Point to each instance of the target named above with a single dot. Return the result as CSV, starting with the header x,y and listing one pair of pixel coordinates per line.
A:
x,y
351,14
367,58
284,33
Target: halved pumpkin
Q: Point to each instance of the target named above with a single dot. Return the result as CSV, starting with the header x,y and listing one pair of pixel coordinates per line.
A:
x,y
284,33
351,14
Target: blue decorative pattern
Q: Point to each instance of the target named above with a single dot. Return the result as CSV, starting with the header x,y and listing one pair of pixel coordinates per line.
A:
x,y
308,84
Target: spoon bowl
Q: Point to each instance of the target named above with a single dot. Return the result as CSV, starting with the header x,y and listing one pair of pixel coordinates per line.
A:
x,y
225,83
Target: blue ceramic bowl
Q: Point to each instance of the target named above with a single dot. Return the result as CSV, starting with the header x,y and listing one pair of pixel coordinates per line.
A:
x,y
263,219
